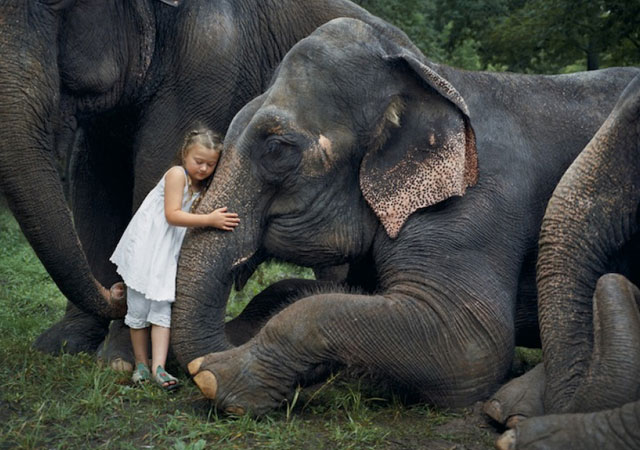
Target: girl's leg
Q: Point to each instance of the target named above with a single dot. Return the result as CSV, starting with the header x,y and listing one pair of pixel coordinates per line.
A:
x,y
159,346
140,343
160,318
137,320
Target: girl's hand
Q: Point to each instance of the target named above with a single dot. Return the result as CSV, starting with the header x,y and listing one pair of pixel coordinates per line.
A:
x,y
222,219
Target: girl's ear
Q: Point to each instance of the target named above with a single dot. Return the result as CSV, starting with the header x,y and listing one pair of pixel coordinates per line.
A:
x,y
423,150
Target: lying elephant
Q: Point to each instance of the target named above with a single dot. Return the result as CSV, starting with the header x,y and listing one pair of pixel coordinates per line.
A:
x,y
111,87
589,316
360,151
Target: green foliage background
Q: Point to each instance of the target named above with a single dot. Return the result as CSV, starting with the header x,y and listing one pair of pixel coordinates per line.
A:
x,y
531,36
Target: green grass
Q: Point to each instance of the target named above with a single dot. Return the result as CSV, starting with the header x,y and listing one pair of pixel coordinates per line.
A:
x,y
71,402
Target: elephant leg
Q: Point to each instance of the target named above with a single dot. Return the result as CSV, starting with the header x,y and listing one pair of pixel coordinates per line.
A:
x,y
607,384
76,332
266,304
609,429
611,380
116,349
519,399
101,203
448,364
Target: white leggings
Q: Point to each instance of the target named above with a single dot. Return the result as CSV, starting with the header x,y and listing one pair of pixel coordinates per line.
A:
x,y
142,312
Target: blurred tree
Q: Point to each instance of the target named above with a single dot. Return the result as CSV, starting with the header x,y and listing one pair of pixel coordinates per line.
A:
x,y
414,17
537,36
547,36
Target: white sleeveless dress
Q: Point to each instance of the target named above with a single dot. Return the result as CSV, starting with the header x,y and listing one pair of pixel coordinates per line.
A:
x,y
147,254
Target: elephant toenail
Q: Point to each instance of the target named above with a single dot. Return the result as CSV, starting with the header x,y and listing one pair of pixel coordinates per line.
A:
x,y
194,366
237,410
207,383
515,420
120,365
507,441
493,409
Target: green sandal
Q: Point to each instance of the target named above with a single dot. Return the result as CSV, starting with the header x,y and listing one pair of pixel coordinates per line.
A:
x,y
141,374
161,377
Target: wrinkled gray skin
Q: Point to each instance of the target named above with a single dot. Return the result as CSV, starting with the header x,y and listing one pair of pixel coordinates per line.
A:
x,y
588,270
109,88
360,151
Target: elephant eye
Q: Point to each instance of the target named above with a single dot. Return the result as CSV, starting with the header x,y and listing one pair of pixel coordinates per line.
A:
x,y
274,145
279,159
275,142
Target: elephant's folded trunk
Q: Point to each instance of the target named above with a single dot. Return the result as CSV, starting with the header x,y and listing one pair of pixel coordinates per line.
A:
x,y
590,223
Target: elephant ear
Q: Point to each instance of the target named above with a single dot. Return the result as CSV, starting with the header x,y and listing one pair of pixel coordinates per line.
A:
x,y
431,155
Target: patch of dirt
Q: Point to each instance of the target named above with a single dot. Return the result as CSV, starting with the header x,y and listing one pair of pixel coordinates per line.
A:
x,y
469,429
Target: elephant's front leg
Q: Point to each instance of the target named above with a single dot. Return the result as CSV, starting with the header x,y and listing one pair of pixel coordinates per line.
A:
x,y
268,303
100,194
443,354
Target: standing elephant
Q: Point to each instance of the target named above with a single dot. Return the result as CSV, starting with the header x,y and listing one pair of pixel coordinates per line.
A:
x,y
431,182
110,87
588,270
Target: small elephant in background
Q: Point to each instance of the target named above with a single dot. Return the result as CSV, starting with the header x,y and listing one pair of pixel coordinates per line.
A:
x,y
589,303
429,181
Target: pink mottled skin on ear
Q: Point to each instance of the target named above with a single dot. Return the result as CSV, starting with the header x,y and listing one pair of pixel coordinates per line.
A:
x,y
421,180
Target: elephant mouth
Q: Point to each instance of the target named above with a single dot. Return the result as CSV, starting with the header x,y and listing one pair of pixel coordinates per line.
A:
x,y
240,261
243,267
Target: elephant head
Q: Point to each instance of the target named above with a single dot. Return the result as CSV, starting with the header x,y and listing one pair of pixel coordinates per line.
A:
x,y
590,317
36,68
324,164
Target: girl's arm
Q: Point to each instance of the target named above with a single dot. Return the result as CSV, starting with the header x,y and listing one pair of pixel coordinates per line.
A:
x,y
173,188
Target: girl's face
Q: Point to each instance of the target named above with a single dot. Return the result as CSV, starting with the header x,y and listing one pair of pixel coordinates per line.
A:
x,y
200,161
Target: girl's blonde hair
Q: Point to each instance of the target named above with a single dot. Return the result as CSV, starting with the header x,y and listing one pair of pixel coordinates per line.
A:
x,y
202,136
207,139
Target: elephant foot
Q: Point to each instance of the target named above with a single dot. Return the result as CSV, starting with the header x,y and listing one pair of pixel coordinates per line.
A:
x,y
76,332
238,382
116,350
568,431
519,399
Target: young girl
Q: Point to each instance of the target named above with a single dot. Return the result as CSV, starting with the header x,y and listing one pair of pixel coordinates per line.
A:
x,y
147,254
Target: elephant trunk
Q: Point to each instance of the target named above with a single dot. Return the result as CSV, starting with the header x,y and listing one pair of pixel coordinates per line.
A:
x,y
29,112
209,260
590,220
